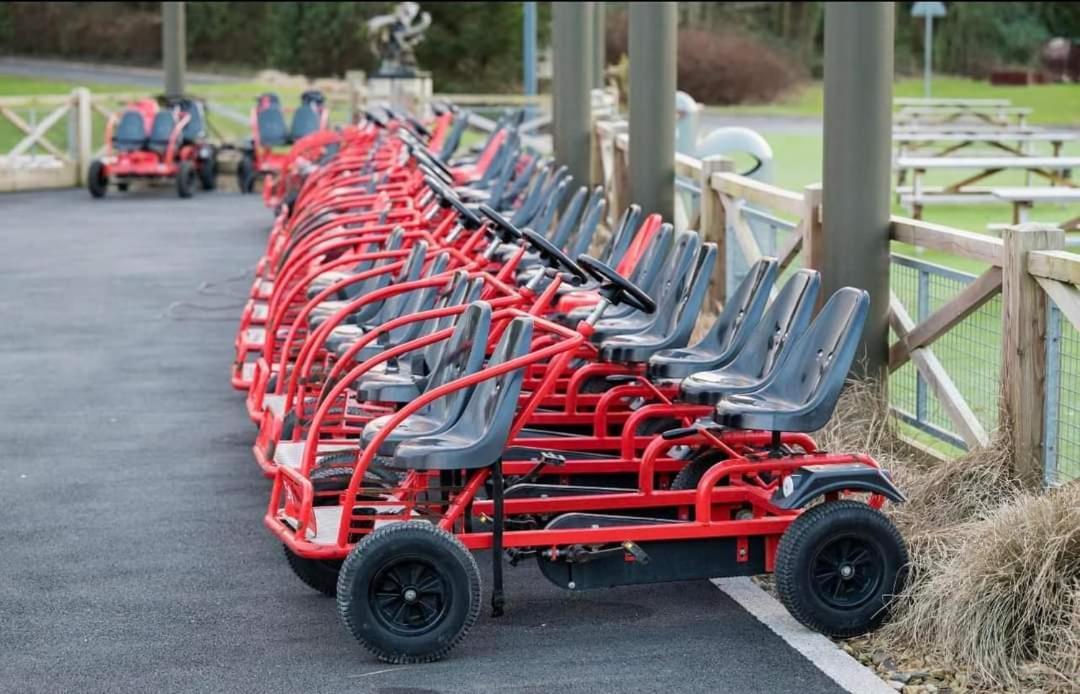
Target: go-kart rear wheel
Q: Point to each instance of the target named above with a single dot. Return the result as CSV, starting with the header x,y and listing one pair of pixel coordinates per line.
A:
x,y
207,169
693,471
320,574
409,592
97,182
185,179
245,174
838,566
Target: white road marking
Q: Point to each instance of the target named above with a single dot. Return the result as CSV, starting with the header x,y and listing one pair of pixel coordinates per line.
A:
x,y
819,650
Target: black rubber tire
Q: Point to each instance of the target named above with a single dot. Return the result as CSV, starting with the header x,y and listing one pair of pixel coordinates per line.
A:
x,y
96,180
185,179
820,528
207,170
692,472
331,478
320,574
245,174
406,544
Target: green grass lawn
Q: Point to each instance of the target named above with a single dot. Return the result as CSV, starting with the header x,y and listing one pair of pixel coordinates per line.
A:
x,y
1053,104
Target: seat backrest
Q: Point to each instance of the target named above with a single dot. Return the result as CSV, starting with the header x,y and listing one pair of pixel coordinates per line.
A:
x,y
418,301
813,374
649,273
130,131
637,246
463,354
620,240
461,291
534,198
270,121
781,326
195,128
306,120
590,222
546,219
568,219
489,412
676,332
518,184
164,122
671,281
501,178
413,269
453,138
742,311
377,282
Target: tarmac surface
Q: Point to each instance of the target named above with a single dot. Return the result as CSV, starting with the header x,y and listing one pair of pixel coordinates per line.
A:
x,y
133,557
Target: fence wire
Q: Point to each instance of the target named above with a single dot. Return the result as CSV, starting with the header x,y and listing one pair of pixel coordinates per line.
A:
x,y
1061,431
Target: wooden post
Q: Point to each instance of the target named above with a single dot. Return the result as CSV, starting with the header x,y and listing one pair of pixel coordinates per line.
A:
x,y
619,197
714,223
813,243
84,131
596,157
1023,347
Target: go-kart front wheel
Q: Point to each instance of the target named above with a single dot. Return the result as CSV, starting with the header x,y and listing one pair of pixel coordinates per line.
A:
x,y
185,179
409,592
207,169
838,566
97,182
245,174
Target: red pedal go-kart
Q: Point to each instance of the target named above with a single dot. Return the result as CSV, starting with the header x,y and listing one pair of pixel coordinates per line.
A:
x,y
430,384
148,142
269,131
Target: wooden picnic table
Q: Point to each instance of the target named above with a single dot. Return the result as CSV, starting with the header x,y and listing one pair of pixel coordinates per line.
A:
x,y
1023,199
1054,169
946,101
943,144
999,115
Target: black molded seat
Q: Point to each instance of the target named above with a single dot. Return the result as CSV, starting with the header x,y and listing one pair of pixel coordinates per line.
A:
x,y
678,269
160,130
479,436
590,222
270,120
803,395
648,274
306,120
464,355
404,380
728,333
765,348
669,329
393,243
130,132
375,313
195,127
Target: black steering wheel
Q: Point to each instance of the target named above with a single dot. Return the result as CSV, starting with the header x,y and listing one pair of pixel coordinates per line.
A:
x,y
507,232
378,119
424,155
469,219
553,257
616,288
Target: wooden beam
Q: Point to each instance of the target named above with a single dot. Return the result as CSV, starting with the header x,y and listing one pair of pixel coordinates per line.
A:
x,y
42,128
939,237
714,224
27,130
743,233
792,246
758,193
1066,297
941,321
1023,346
1062,266
944,389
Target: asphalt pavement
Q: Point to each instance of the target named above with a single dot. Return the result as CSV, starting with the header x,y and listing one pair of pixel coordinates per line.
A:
x,y
132,555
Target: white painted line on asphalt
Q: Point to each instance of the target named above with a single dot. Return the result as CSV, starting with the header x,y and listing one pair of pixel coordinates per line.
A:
x,y
823,653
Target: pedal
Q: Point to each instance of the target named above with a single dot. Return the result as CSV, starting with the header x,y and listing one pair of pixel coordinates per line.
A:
x,y
552,458
639,555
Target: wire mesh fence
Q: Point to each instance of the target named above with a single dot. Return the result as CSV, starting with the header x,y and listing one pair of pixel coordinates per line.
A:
x,y
1061,431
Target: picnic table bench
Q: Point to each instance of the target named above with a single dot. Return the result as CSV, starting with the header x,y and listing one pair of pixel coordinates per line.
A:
x,y
1054,169
1023,199
947,101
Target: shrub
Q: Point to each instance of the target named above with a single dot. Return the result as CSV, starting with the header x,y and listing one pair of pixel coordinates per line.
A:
x,y
720,68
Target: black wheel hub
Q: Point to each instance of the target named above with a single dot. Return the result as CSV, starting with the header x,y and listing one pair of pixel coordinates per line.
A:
x,y
409,596
846,572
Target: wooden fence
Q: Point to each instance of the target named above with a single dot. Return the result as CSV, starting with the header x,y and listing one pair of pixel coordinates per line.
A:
x,y
1025,267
